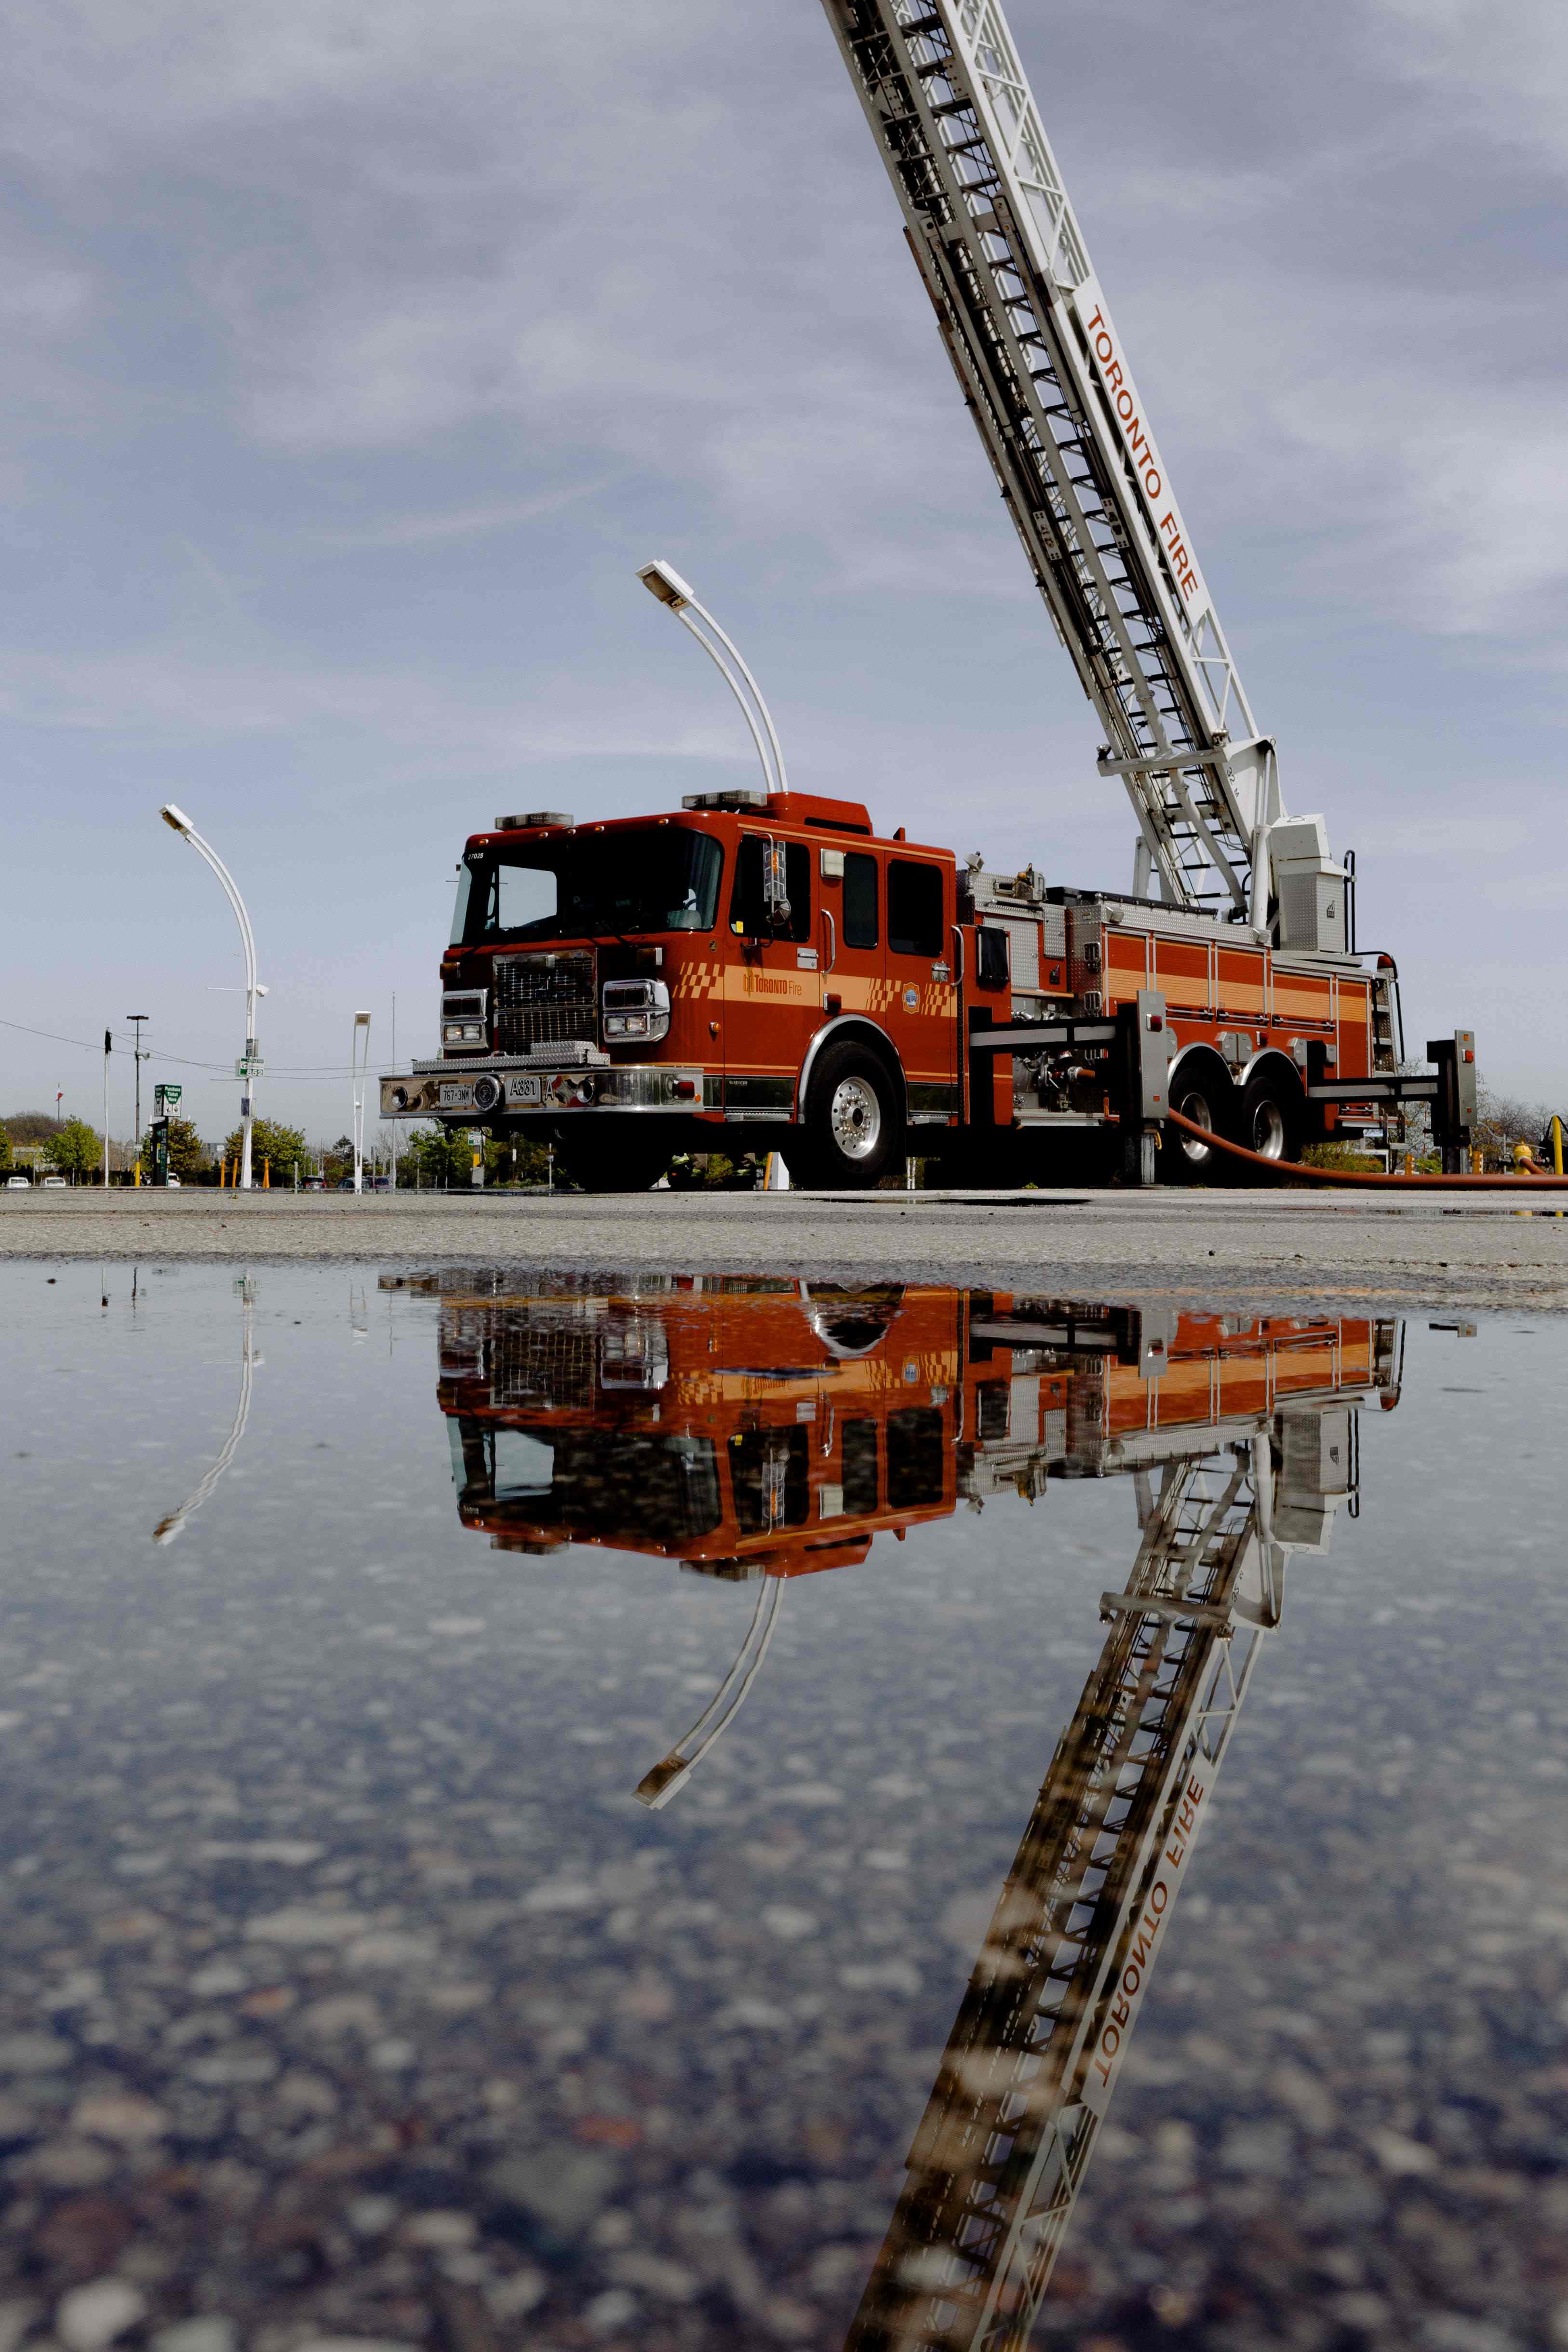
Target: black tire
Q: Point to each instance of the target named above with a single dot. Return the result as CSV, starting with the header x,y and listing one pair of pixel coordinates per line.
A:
x,y
616,1162
1209,1099
851,1128
1270,1118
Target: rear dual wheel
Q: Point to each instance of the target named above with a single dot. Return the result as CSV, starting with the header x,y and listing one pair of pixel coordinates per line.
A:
x,y
1270,1120
1208,1101
1264,1117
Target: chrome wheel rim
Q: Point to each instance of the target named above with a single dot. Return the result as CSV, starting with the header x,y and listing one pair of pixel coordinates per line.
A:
x,y
854,1118
1268,1131
1196,1107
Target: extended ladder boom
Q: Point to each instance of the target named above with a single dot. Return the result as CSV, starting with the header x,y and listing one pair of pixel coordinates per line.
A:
x,y
1034,2055
1047,381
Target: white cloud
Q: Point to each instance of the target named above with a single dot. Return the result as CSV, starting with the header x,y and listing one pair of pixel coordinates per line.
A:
x,y
1502,71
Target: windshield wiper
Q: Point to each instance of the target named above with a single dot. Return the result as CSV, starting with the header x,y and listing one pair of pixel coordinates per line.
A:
x,y
602,929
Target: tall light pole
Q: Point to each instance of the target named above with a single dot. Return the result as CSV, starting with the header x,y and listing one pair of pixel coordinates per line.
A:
x,y
249,1065
359,1062
663,581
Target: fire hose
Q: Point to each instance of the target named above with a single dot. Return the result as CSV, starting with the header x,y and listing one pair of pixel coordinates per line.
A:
x,y
1299,1172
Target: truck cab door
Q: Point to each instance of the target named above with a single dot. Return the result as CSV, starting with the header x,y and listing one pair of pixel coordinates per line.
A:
x,y
922,980
854,955
773,995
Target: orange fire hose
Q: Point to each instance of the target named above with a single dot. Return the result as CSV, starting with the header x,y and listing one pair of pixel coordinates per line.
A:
x,y
1304,1174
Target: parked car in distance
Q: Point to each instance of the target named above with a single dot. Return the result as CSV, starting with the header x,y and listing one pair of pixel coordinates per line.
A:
x,y
51,1183
314,1184
173,1184
18,1184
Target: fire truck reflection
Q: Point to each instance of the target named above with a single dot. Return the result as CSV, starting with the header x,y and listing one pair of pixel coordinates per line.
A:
x,y
767,1429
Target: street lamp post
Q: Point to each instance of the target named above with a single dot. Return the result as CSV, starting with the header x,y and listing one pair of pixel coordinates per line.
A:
x,y
249,1066
663,581
359,1062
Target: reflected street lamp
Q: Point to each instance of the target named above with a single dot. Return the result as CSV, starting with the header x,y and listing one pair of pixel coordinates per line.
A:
x,y
359,1062
663,581
167,1528
249,1065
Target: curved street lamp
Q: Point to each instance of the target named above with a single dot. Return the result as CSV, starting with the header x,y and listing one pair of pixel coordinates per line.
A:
x,y
670,1775
663,581
249,1066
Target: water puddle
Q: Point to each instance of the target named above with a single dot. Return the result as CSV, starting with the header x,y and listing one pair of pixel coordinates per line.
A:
x,y
718,1811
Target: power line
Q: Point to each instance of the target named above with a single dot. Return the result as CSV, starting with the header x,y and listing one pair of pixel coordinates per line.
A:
x,y
187,1061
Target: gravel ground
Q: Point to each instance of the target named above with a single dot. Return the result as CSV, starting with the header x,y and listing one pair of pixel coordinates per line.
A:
x,y
1472,1250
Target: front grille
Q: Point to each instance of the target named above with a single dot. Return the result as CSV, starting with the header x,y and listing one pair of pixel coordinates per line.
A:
x,y
545,1000
544,1368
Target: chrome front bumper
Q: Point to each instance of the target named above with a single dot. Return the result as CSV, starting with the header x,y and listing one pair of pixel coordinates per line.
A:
x,y
509,1086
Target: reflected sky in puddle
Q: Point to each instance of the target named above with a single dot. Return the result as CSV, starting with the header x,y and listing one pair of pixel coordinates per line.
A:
x,y
715,1814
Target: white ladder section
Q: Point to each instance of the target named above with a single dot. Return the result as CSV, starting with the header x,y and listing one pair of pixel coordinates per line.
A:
x,y
1047,381
998,2155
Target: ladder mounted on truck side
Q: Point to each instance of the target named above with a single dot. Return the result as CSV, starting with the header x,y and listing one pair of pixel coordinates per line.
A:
x,y
1047,381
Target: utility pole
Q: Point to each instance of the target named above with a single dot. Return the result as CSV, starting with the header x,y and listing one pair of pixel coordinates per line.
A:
x,y
135,1019
394,1065
108,1049
361,1063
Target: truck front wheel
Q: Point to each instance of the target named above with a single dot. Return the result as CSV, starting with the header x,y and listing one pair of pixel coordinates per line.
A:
x,y
850,1132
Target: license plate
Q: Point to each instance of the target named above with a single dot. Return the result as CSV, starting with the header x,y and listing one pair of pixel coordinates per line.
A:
x,y
457,1098
523,1090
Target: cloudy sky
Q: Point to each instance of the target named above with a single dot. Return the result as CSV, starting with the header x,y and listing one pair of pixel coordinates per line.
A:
x,y
356,352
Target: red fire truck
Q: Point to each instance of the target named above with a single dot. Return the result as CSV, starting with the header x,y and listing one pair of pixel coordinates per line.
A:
x,y
753,1426
767,960
640,986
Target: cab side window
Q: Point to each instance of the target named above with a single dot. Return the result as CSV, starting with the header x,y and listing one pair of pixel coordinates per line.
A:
x,y
859,900
914,925
747,910
990,956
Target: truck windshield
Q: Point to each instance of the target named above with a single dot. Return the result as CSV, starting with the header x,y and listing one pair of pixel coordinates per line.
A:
x,y
573,885
605,1482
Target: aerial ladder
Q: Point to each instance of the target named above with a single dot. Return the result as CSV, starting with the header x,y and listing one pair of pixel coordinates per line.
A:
x,y
1047,379
1032,2059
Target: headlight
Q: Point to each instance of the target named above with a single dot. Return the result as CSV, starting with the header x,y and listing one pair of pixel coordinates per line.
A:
x,y
463,1012
636,1009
